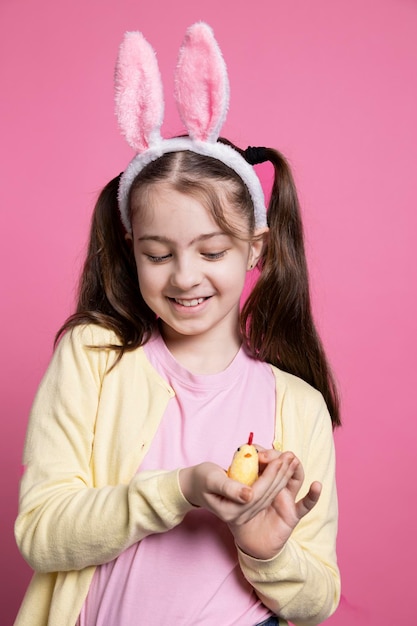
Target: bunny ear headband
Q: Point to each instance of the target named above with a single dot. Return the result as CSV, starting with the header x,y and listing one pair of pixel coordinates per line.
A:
x,y
202,98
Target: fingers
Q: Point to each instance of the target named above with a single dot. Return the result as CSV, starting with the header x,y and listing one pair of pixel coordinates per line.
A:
x,y
280,466
278,475
309,501
220,485
272,460
267,455
233,490
208,485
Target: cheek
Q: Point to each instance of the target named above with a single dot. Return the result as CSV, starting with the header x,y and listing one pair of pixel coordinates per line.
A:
x,y
152,279
145,278
233,277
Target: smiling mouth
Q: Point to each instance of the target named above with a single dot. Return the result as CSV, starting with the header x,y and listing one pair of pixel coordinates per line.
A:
x,y
188,303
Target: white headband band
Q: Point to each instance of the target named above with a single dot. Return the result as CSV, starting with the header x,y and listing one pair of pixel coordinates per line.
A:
x,y
202,97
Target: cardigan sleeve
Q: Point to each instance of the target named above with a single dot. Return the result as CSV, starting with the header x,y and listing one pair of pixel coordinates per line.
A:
x,y
302,582
65,522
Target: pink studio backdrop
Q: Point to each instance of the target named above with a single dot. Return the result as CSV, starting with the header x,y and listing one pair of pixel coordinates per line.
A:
x,y
333,85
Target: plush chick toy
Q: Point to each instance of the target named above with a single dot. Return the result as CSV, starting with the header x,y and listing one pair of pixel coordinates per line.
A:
x,y
245,467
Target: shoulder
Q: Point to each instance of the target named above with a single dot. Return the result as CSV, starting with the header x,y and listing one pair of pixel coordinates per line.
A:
x,y
301,409
295,387
86,345
100,343
94,347
89,335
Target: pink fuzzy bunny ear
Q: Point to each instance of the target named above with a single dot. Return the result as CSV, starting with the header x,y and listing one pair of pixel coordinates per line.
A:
x,y
201,84
139,92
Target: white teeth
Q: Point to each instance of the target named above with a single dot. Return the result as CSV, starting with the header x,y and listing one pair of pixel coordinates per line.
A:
x,y
193,302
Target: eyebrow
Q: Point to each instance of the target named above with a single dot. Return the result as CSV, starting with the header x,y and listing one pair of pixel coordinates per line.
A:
x,y
167,240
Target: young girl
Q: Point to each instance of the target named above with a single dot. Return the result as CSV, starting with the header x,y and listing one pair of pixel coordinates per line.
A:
x,y
127,514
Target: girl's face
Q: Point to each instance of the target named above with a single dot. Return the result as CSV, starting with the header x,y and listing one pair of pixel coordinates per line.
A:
x,y
191,273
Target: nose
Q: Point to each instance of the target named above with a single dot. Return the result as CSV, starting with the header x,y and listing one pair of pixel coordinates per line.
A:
x,y
186,274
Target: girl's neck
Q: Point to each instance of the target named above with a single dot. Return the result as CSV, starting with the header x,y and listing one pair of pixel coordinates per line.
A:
x,y
202,354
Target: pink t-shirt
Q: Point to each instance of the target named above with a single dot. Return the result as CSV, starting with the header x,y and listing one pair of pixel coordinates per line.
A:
x,y
190,574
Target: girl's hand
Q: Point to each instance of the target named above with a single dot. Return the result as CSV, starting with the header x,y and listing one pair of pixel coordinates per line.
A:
x,y
207,485
262,517
273,512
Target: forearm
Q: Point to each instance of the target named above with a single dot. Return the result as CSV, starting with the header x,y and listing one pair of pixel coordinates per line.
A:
x,y
302,582
294,584
80,501
64,526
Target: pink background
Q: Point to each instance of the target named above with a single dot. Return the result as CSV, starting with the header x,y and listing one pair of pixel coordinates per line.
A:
x,y
333,85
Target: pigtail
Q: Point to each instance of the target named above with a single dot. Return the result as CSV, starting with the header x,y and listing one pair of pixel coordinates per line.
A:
x,y
108,293
276,319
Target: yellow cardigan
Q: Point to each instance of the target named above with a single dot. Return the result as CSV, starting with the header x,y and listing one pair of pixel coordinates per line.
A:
x,y
82,502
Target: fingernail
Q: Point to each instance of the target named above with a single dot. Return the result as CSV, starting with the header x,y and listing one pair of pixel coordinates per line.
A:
x,y
245,494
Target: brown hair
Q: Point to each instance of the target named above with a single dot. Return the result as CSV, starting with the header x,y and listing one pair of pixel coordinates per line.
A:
x,y
276,321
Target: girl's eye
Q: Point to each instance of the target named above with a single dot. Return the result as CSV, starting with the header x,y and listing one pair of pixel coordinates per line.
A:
x,y
212,256
158,259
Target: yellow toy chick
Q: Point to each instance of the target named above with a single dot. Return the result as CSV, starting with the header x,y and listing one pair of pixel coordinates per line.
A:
x,y
245,467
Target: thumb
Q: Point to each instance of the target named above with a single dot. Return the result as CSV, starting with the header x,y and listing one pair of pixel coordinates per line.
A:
x,y
235,491
309,501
